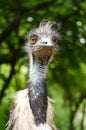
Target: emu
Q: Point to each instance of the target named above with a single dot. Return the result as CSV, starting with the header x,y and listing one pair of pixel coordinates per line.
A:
x,y
32,109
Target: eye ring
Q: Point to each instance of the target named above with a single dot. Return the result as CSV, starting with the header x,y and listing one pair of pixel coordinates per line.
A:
x,y
54,40
33,39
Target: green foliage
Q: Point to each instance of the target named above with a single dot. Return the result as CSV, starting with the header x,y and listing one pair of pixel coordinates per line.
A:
x,y
67,72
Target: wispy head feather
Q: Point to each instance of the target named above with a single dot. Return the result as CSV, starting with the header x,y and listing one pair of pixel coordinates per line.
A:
x,y
47,24
45,27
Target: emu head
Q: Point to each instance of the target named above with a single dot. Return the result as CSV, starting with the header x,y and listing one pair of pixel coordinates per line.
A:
x,y
43,40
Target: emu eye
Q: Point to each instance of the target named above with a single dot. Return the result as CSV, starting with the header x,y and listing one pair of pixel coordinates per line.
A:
x,y
54,39
33,39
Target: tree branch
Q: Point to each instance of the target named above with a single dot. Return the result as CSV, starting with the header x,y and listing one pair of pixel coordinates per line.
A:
x,y
15,23
73,112
7,81
83,116
12,25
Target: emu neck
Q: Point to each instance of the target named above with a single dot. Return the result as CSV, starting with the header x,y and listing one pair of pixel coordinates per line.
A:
x,y
37,92
38,68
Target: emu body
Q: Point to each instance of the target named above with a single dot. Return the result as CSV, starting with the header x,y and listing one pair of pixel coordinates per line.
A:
x,y
32,108
22,118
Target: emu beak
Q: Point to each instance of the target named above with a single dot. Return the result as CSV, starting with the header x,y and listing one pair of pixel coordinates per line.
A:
x,y
44,51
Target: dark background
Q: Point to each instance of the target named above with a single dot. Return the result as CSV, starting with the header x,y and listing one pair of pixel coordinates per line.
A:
x,y
67,71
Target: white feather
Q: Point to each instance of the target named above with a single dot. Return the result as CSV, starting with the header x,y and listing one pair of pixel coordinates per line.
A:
x,y
21,117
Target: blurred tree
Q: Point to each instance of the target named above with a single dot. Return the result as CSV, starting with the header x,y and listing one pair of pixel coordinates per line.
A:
x,y
67,75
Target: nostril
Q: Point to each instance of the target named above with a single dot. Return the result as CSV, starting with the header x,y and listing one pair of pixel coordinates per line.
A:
x,y
44,42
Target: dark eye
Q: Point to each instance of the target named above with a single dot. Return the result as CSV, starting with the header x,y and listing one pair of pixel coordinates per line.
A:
x,y
54,40
33,39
